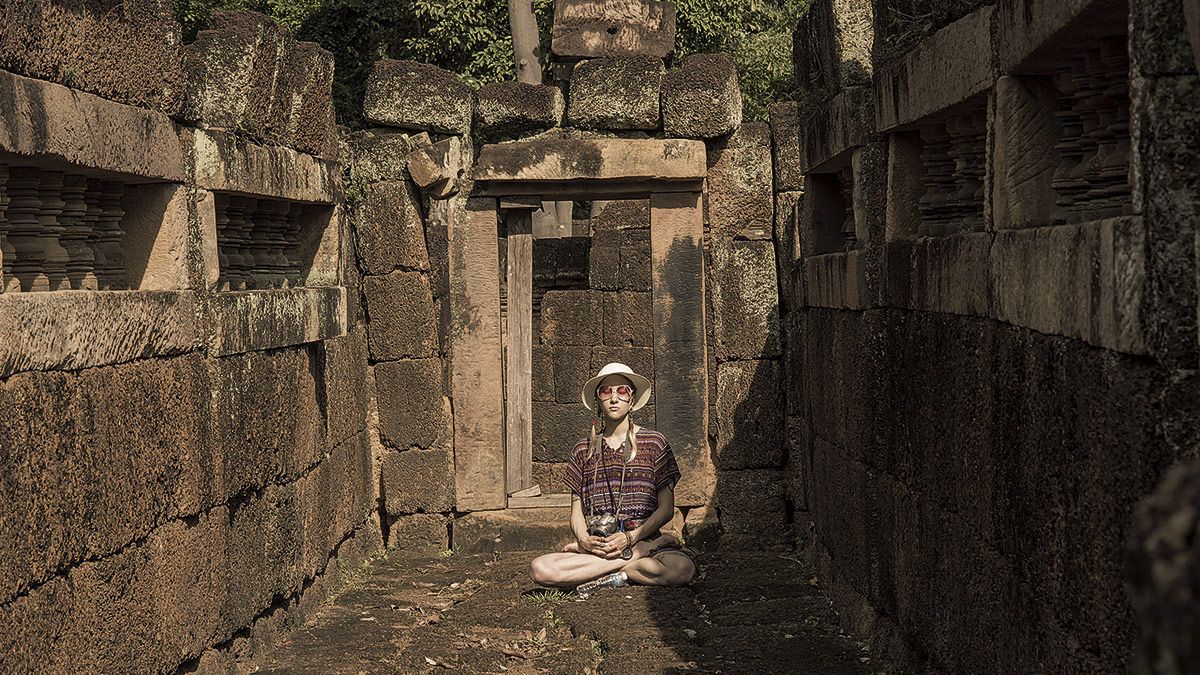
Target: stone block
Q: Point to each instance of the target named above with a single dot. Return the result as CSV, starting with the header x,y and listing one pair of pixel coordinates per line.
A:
x,y
226,163
702,98
557,427
389,230
571,317
1024,126
750,415
1158,37
419,535
751,507
549,475
635,268
842,124
436,168
1085,281
413,409
535,529
950,274
701,527
628,321
131,56
616,93
346,389
604,261
785,145
948,67
836,280
1164,567
584,29
620,214
418,481
572,367
592,159
255,320
107,431
739,182
401,316
413,95
65,330
508,110
745,300
641,359
833,42
380,154
905,186
543,373
246,72
53,123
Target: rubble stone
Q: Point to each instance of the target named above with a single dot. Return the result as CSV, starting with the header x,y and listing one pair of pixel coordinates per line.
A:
x,y
585,29
507,110
616,93
702,98
413,95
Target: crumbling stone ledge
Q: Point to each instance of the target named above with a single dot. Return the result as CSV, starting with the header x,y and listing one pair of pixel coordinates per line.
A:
x,y
71,330
256,320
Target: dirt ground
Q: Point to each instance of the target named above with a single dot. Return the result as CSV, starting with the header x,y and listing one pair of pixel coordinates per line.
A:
x,y
759,612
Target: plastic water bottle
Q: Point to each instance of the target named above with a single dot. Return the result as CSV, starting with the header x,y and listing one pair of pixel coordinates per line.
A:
x,y
614,580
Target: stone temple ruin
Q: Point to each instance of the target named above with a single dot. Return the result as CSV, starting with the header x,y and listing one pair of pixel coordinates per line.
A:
x,y
935,324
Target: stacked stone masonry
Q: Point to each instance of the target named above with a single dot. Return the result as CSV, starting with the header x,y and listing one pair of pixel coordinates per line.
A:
x,y
1009,325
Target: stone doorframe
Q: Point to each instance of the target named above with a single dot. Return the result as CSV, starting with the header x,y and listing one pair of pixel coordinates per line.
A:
x,y
513,177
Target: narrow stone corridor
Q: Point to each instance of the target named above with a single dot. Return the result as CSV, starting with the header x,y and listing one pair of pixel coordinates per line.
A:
x,y
756,612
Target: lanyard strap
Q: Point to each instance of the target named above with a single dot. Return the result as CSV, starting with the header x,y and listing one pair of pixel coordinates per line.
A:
x,y
608,482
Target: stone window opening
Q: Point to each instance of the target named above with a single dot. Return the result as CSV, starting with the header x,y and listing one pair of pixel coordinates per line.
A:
x,y
62,230
953,162
833,224
266,243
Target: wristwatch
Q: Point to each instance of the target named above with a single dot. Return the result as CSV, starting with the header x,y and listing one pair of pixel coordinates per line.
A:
x,y
627,552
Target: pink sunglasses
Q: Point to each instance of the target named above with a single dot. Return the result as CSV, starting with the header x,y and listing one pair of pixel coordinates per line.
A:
x,y
624,391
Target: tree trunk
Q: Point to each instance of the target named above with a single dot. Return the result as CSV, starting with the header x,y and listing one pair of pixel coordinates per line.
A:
x,y
526,50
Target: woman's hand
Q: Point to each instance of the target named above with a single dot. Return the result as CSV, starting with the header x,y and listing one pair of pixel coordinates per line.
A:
x,y
593,545
611,546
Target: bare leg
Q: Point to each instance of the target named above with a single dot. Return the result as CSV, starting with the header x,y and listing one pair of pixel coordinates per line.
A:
x,y
568,570
670,568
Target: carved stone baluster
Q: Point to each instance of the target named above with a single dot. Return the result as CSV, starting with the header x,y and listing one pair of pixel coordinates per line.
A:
x,y
81,261
235,218
939,179
7,253
91,219
109,238
51,230
1070,150
271,237
1114,174
251,247
24,203
224,245
846,185
974,127
292,218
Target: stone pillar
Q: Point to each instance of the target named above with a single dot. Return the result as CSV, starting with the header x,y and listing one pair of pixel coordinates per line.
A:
x,y
476,377
680,348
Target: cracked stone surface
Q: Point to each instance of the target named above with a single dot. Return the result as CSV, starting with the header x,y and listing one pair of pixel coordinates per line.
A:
x,y
744,612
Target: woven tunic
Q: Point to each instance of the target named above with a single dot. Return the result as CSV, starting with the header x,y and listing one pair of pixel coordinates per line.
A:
x,y
652,468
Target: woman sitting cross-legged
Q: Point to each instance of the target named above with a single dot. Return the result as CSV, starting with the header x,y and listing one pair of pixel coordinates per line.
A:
x,y
622,481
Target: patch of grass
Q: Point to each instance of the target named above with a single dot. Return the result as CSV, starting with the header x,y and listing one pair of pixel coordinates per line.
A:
x,y
447,553
551,618
548,596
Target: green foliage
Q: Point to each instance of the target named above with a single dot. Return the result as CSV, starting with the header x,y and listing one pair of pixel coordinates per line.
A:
x,y
472,38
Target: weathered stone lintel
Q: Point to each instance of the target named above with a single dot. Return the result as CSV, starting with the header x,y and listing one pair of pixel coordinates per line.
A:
x,y
71,330
592,159
229,164
950,274
951,66
836,280
1026,30
1084,281
842,124
61,128
256,320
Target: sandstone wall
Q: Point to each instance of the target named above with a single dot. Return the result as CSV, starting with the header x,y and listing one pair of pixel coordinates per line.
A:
x,y
991,327
185,454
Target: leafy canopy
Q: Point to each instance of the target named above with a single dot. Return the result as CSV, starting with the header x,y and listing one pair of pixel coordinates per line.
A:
x,y
471,38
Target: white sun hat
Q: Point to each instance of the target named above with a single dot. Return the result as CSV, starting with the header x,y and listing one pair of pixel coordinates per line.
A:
x,y
641,385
